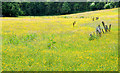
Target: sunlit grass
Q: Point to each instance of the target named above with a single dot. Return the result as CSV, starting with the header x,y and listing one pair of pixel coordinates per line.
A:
x,y
26,43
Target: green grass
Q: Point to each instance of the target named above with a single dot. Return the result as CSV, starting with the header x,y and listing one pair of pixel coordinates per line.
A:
x,y
52,44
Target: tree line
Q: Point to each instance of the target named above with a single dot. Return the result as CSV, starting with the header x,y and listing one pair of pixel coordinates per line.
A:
x,y
14,9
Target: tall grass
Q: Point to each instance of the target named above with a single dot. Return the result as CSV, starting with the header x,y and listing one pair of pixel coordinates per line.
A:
x,y
52,44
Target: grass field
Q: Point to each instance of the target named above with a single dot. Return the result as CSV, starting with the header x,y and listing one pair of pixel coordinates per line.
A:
x,y
50,43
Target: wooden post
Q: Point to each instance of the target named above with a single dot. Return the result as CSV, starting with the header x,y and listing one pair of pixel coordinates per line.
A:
x,y
103,25
102,30
100,34
109,27
106,28
74,23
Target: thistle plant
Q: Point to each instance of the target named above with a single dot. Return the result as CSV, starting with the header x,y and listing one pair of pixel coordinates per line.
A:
x,y
51,43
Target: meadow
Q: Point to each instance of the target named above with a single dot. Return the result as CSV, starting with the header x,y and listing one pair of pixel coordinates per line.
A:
x,y
51,43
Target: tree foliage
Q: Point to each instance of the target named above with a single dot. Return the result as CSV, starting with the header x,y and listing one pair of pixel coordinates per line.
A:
x,y
65,8
11,9
14,9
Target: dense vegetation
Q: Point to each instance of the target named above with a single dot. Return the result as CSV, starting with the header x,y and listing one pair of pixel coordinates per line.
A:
x,y
13,9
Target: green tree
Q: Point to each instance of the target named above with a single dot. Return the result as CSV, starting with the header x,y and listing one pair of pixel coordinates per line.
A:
x,y
59,8
76,7
92,6
11,9
65,8
107,6
52,8
40,8
100,5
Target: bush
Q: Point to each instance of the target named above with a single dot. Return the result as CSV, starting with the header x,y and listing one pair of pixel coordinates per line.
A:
x,y
14,39
108,6
93,37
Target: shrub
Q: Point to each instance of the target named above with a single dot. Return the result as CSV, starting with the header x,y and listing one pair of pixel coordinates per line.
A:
x,y
14,39
92,37
51,43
